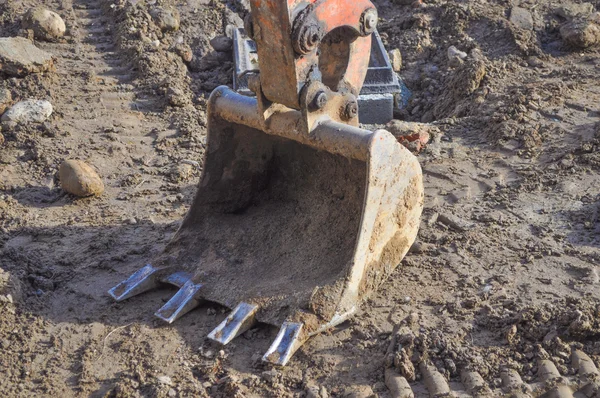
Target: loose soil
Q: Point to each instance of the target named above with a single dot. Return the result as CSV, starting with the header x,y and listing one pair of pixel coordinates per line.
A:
x,y
504,271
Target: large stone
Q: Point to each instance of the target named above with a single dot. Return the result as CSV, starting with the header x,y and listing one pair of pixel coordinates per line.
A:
x,y
5,100
46,25
19,57
28,111
521,18
80,179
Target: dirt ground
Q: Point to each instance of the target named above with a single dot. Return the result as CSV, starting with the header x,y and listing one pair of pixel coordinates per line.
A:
x,y
504,271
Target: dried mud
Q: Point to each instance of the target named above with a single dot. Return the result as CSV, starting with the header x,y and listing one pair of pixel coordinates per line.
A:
x,y
504,273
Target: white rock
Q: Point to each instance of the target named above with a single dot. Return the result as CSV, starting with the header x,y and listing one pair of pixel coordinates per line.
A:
x,y
46,25
29,111
454,52
165,380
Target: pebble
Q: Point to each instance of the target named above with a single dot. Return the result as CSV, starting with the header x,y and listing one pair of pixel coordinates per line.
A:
x,y
19,57
46,25
455,56
28,111
166,19
521,18
5,100
78,178
270,376
396,59
221,43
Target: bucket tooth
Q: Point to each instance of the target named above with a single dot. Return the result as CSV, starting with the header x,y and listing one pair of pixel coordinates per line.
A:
x,y
288,340
140,281
181,303
241,319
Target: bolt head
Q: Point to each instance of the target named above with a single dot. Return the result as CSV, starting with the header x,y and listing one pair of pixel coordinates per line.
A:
x,y
351,109
370,20
319,100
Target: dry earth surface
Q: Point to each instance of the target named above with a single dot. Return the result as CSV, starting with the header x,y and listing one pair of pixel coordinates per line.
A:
x,y
504,272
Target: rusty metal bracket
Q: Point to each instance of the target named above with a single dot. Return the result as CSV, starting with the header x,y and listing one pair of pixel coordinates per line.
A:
x,y
289,34
377,96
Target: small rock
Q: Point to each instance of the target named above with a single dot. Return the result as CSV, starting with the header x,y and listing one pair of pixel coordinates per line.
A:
x,y
165,380
177,97
412,319
455,56
396,59
572,10
181,172
184,51
46,25
581,33
172,393
221,43
521,18
19,57
5,100
28,111
271,376
166,19
78,178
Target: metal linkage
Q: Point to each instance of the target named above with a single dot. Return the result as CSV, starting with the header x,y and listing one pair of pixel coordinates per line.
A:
x,y
377,96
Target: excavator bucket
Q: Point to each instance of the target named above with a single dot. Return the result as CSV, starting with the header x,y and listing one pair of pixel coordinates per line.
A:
x,y
299,214
293,234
